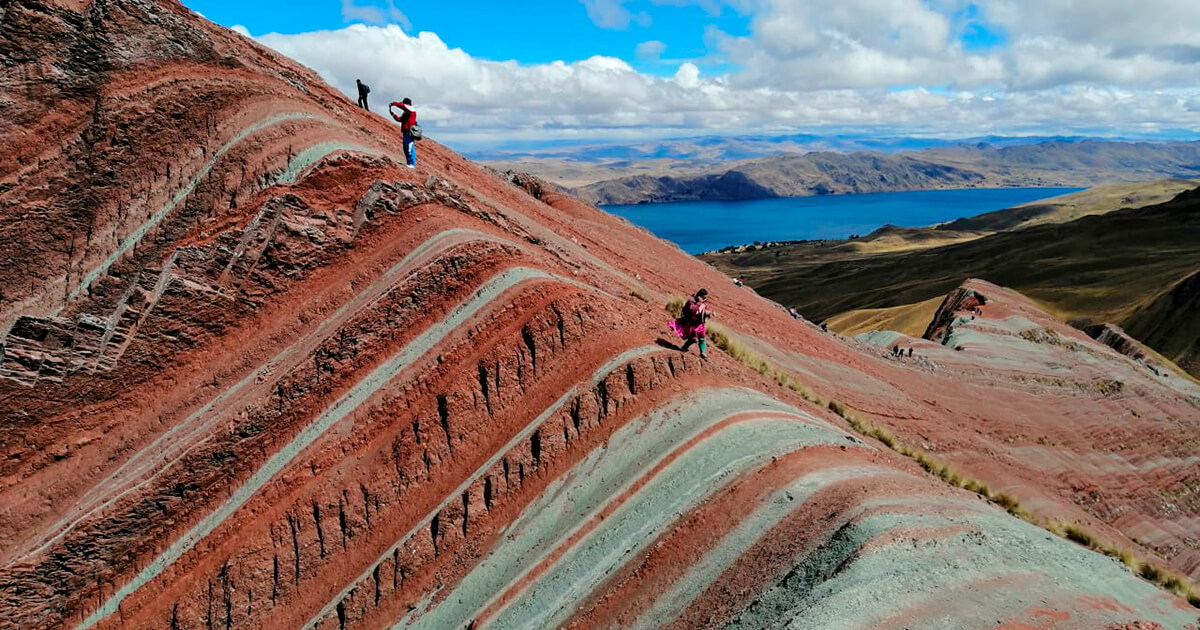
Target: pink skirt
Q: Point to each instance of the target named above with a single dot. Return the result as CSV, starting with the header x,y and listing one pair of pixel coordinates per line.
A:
x,y
686,332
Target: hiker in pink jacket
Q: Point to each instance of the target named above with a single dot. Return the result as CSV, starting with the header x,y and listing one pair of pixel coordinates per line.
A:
x,y
690,325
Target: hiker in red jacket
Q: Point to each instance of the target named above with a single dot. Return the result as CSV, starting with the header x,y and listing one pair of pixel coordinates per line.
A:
x,y
407,120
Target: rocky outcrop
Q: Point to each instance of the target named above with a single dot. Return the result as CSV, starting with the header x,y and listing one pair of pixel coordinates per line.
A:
x,y
295,384
1117,339
961,303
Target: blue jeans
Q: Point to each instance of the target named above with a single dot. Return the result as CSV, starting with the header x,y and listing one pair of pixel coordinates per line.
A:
x,y
410,149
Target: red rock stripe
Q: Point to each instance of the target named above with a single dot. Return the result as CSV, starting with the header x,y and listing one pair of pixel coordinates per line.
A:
x,y
615,503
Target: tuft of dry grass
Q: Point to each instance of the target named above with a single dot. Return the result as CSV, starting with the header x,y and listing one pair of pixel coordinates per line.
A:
x,y
1151,573
1077,534
675,306
639,295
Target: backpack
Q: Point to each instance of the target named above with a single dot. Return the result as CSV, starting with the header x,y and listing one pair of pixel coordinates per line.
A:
x,y
415,132
366,89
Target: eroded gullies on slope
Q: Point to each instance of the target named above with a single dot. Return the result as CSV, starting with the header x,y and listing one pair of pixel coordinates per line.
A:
x,y
172,445
251,423
442,403
198,278
442,521
937,543
574,501
437,535
495,473
350,401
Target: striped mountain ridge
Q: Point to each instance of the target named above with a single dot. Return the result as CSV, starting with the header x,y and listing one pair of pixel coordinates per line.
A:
x,y
254,373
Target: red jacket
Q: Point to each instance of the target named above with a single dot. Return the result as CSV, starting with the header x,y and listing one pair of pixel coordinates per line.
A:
x,y
408,118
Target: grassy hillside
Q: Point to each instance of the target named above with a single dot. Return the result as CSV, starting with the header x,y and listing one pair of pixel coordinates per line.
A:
x,y
1097,200
910,319
1170,323
1135,267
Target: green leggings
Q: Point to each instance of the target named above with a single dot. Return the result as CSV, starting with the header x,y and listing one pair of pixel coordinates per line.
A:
x,y
691,340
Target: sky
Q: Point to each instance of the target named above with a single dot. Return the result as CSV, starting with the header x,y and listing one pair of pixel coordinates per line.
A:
x,y
487,72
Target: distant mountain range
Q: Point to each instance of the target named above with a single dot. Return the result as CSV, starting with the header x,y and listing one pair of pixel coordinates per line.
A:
x,y
1004,162
732,148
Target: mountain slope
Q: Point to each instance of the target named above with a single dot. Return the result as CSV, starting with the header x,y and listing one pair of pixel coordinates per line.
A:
x,y
1170,323
1053,163
288,383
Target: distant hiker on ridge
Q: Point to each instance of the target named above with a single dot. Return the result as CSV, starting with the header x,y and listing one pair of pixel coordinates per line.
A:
x,y
690,325
408,125
363,91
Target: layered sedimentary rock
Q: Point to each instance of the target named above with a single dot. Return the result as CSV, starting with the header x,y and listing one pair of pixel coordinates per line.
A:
x,y
255,374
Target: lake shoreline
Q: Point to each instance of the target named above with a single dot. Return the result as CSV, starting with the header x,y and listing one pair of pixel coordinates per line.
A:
x,y
700,227
605,206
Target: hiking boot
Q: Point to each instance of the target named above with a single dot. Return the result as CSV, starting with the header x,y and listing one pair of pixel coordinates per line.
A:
x,y
704,356
411,165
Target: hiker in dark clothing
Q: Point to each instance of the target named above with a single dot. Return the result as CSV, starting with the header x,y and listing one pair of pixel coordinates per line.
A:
x,y
910,353
690,325
407,120
363,91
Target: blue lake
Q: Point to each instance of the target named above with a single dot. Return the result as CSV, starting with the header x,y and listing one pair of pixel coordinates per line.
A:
x,y
700,226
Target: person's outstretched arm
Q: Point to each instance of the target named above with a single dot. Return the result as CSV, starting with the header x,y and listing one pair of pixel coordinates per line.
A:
x,y
401,105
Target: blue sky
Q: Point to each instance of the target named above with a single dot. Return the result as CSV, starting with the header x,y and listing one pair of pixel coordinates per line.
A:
x,y
529,31
628,69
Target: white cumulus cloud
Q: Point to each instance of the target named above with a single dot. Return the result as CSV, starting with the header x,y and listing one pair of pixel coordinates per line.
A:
x,y
688,76
875,66
812,44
